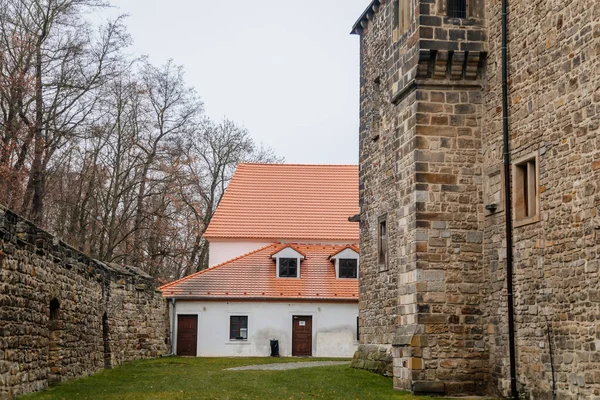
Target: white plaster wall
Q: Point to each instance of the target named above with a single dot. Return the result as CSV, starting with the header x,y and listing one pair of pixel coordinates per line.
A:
x,y
333,324
219,252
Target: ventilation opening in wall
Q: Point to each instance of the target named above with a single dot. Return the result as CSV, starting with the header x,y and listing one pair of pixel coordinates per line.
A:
x,y
106,340
54,343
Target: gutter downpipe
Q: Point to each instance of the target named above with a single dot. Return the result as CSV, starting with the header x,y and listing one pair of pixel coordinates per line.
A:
x,y
173,315
508,207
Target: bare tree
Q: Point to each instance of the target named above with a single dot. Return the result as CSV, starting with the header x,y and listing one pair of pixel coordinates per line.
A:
x,y
114,153
67,62
212,155
174,109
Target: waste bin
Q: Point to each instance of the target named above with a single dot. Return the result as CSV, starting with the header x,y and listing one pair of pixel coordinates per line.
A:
x,y
274,348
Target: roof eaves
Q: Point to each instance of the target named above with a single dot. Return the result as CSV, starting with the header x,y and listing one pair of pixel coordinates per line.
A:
x,y
257,298
161,288
360,24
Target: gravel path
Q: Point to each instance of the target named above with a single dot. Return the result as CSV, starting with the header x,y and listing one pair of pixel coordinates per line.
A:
x,y
286,366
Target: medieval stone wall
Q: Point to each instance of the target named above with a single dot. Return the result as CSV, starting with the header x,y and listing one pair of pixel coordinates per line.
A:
x,y
379,155
420,154
64,315
554,89
431,160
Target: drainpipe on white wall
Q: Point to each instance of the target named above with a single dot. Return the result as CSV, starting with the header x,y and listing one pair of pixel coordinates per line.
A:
x,y
172,353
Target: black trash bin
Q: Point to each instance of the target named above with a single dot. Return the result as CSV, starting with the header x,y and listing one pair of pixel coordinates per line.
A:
x,y
274,348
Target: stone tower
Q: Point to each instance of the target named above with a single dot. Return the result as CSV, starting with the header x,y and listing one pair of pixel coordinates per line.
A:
x,y
433,290
421,191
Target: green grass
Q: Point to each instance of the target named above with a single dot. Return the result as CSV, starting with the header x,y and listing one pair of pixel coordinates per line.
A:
x,y
205,378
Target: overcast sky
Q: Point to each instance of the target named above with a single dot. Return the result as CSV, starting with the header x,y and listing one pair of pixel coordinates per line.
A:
x,y
286,70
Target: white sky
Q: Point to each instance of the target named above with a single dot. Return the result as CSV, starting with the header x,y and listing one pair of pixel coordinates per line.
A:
x,y
286,70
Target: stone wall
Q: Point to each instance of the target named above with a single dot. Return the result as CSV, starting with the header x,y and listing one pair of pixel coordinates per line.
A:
x,y
64,315
431,160
554,100
374,358
420,165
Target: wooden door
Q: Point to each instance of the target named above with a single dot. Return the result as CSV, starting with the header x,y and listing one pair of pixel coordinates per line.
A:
x,y
187,335
302,336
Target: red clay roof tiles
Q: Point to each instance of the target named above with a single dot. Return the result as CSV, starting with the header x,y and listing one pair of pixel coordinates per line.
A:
x,y
288,201
253,276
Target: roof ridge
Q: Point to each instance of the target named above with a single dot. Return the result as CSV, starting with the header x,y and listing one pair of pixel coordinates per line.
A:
x,y
216,266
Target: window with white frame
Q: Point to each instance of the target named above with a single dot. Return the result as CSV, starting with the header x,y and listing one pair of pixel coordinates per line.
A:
x,y
238,327
346,263
287,262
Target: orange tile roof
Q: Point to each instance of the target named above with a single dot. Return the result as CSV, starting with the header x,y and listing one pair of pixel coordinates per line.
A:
x,y
252,276
288,201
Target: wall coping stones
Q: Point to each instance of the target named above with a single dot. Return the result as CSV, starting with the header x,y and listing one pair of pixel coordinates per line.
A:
x,y
17,231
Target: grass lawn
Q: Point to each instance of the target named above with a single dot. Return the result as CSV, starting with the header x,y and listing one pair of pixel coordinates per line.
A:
x,y
205,378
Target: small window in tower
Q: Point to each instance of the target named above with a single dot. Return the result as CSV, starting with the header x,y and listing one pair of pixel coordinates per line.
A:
x,y
383,243
348,268
457,8
403,15
526,195
288,267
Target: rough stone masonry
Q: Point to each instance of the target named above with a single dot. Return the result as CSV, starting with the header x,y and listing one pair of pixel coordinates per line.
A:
x,y
64,315
431,172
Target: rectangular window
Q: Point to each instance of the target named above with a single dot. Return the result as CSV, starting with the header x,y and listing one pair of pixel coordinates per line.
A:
x,y
457,8
288,267
526,196
348,268
357,329
403,15
383,242
238,327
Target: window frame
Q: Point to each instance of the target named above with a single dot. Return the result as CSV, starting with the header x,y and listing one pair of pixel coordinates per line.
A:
x,y
526,190
454,16
355,268
383,265
239,336
279,267
402,18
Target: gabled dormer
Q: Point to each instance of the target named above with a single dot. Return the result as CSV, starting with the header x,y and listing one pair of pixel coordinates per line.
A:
x,y
346,263
287,261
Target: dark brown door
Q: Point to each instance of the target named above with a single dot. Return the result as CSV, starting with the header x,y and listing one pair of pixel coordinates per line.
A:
x,y
187,335
302,336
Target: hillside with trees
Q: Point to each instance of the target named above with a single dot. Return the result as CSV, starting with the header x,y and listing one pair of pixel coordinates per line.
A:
x,y
107,151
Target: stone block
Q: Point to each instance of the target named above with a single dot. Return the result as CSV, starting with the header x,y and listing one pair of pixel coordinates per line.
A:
x,y
428,387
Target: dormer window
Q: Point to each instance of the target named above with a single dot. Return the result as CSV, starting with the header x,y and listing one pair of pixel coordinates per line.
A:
x,y
287,262
288,267
348,268
346,263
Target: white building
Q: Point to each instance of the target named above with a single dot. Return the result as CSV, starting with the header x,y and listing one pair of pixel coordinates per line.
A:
x,y
284,266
